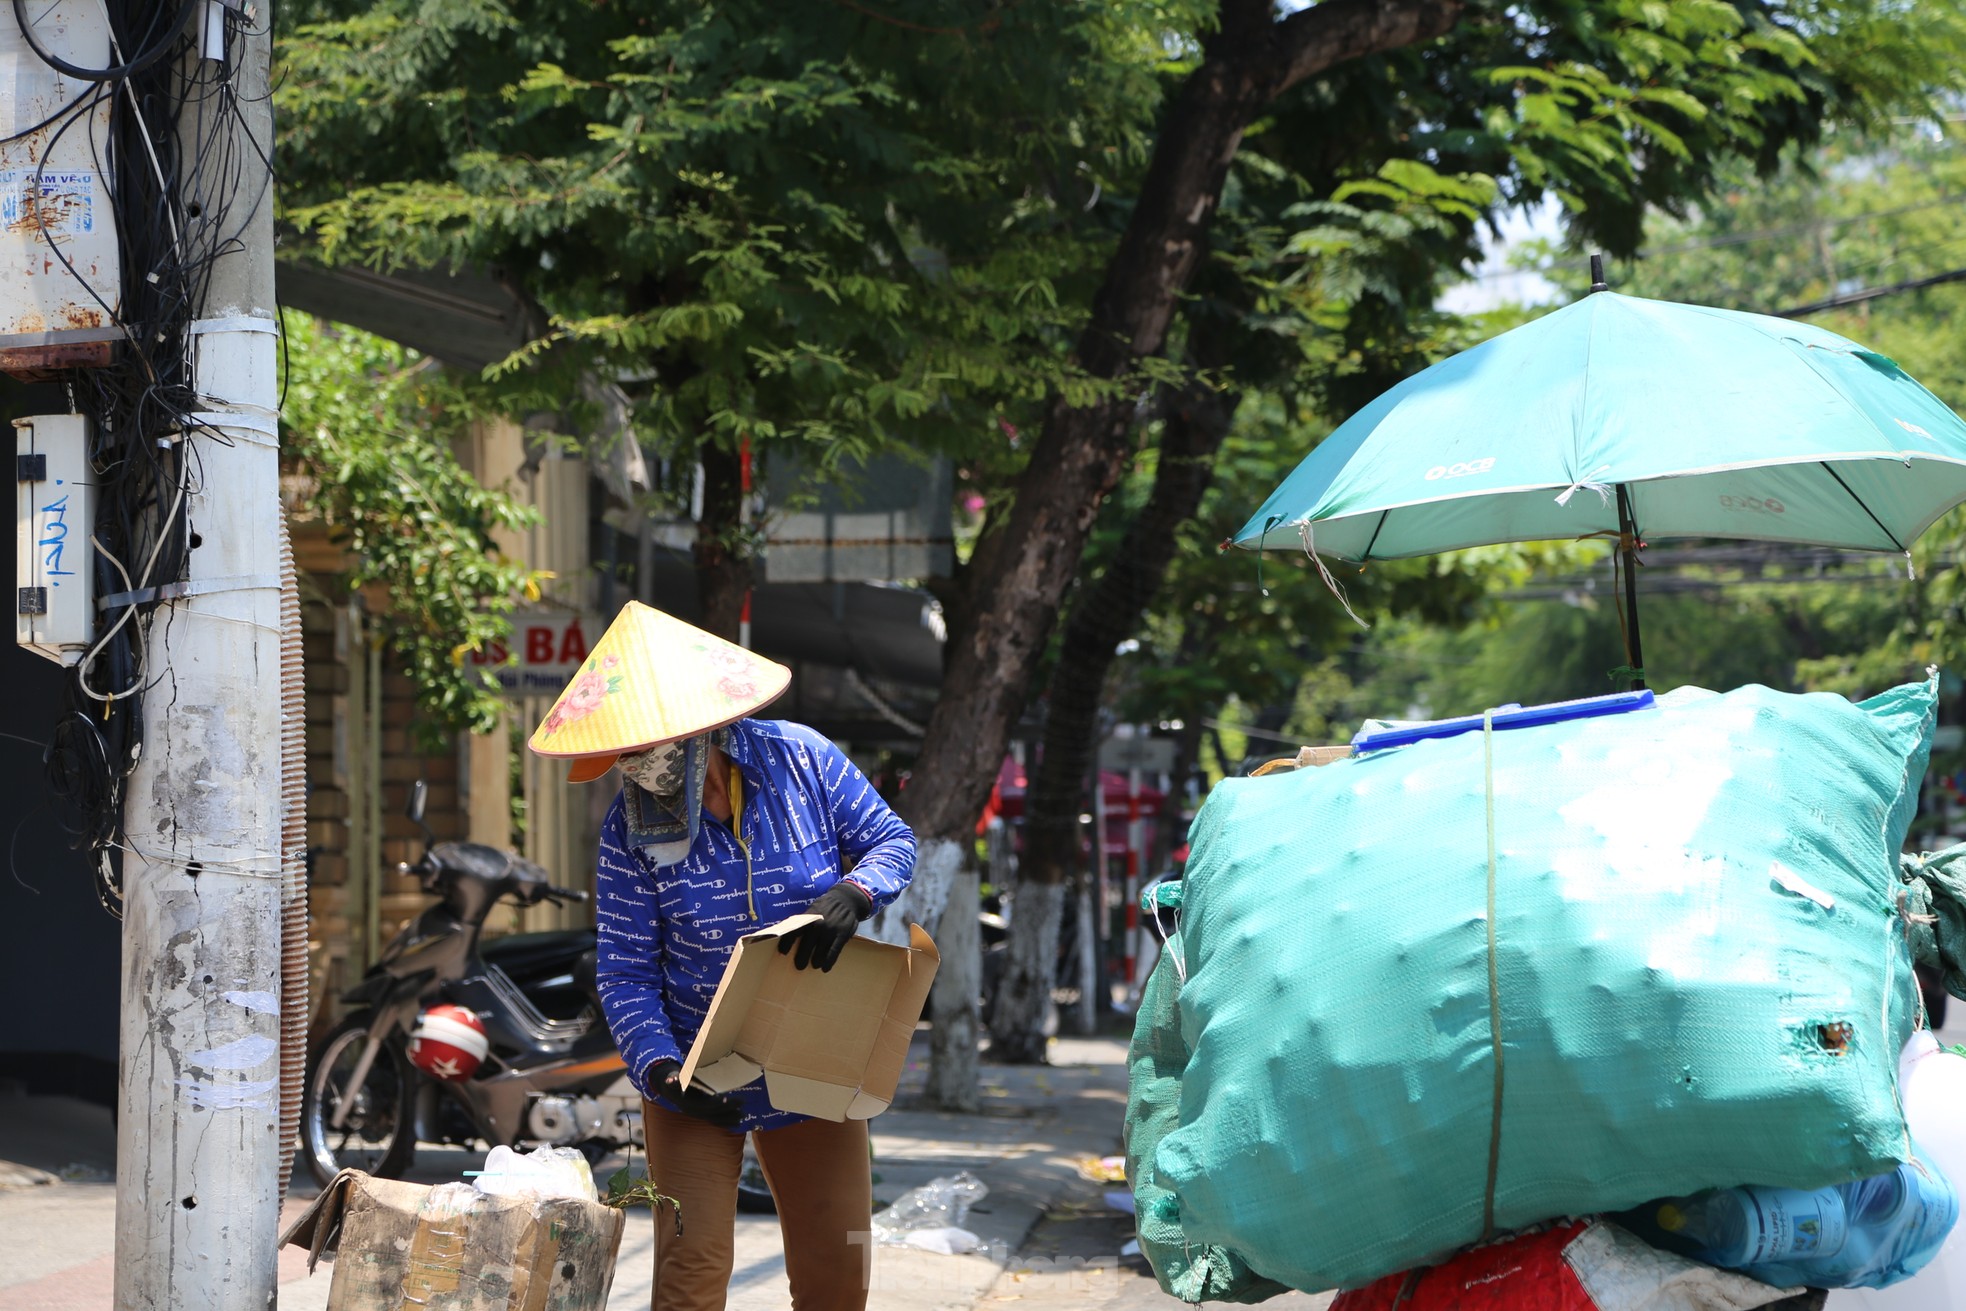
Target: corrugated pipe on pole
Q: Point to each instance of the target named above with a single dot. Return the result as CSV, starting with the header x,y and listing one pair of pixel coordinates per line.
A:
x,y
294,1009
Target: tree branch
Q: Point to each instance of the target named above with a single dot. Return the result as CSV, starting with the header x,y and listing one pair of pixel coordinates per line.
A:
x,y
1018,575
1323,35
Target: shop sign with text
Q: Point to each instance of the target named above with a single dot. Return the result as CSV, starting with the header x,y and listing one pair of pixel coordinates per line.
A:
x,y
544,654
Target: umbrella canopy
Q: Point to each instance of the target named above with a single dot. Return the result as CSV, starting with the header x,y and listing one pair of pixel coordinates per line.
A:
x,y
1696,422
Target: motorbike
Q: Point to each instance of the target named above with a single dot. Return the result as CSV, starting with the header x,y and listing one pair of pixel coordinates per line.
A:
x,y
551,1075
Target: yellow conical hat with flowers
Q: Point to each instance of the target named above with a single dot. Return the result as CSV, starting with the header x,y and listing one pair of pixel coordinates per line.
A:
x,y
652,678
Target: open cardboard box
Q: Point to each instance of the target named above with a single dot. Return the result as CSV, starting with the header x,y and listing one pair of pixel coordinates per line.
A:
x,y
830,1044
403,1245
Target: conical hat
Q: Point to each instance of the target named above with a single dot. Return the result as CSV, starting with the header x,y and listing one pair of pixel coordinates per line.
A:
x,y
653,678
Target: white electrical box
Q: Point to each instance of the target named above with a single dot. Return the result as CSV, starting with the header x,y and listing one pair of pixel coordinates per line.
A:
x,y
54,517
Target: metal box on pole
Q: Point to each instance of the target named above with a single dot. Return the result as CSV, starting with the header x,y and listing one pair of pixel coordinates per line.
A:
x,y
54,515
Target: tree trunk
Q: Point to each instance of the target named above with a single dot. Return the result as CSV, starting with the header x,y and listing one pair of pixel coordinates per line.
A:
x,y
723,564
1023,999
1105,613
952,1006
1187,754
1018,575
1085,1015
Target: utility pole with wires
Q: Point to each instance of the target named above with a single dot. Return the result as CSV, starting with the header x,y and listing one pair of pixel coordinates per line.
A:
x,y
136,267
201,1148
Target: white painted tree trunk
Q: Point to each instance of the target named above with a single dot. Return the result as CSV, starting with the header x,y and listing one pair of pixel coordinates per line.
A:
x,y
921,902
1085,1015
198,1159
952,1006
1023,1002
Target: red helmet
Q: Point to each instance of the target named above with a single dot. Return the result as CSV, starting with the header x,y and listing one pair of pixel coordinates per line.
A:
x,y
448,1042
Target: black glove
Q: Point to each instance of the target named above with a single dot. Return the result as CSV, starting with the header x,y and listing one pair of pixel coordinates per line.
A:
x,y
718,1109
840,908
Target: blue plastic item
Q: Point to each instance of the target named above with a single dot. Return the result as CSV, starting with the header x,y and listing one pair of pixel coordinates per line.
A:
x,y
1509,716
1869,1233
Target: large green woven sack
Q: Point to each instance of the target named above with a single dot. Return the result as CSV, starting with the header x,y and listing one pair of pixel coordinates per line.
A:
x,y
1699,976
1193,1272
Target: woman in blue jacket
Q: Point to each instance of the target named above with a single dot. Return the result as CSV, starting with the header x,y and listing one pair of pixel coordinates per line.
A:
x,y
724,825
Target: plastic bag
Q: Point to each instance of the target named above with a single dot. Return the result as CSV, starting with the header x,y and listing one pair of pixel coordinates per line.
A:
x,y
1867,1233
930,1217
946,1240
545,1172
448,1201
1932,1082
1579,1265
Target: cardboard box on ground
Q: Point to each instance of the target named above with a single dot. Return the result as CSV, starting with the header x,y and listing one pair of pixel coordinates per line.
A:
x,y
830,1044
453,1248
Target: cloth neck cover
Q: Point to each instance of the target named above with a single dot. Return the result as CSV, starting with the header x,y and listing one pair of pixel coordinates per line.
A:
x,y
658,769
664,828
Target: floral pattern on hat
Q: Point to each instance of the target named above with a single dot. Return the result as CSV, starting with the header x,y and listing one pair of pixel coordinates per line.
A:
x,y
736,676
585,694
653,678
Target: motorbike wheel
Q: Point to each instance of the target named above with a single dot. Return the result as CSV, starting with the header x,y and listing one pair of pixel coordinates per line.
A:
x,y
379,1133
753,1193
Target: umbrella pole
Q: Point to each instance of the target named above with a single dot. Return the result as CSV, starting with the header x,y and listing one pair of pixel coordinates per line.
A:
x,y
1628,547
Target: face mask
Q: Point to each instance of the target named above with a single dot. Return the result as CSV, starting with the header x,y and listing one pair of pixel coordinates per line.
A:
x,y
659,769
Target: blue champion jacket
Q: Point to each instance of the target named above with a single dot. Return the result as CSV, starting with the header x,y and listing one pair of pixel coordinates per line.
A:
x,y
666,934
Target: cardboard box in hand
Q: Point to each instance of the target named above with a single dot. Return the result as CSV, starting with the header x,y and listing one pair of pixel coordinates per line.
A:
x,y
830,1044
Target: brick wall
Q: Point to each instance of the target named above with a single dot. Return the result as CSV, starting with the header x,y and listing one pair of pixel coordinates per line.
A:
x,y
345,769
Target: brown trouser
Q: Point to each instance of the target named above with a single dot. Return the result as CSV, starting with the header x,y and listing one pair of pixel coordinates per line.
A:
x,y
819,1175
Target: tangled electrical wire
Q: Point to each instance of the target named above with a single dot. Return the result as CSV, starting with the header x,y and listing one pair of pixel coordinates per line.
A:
x,y
183,174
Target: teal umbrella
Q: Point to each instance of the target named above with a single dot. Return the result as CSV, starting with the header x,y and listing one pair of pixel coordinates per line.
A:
x,y
1634,420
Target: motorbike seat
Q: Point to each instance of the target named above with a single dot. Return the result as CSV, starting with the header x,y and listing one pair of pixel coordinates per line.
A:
x,y
473,858
586,974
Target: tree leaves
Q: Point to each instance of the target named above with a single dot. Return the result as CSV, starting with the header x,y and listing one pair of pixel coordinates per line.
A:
x,y
790,225
368,425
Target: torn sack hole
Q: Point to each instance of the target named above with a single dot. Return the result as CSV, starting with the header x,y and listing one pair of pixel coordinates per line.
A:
x,y
1835,1038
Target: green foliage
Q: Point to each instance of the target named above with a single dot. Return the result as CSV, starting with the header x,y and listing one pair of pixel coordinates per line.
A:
x,y
1628,114
1364,188
626,1190
831,229
835,228
1229,625
1862,212
803,226
1800,632
368,425
1618,106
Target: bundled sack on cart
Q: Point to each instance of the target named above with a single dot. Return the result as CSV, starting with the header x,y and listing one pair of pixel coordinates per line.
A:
x,y
1155,1062
1936,884
1441,992
1574,1265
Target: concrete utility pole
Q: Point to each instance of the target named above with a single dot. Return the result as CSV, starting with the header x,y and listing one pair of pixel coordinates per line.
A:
x,y
199,1161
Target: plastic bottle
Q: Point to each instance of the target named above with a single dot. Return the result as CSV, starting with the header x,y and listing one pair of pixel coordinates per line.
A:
x,y
1932,1082
1736,1227
1870,1232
